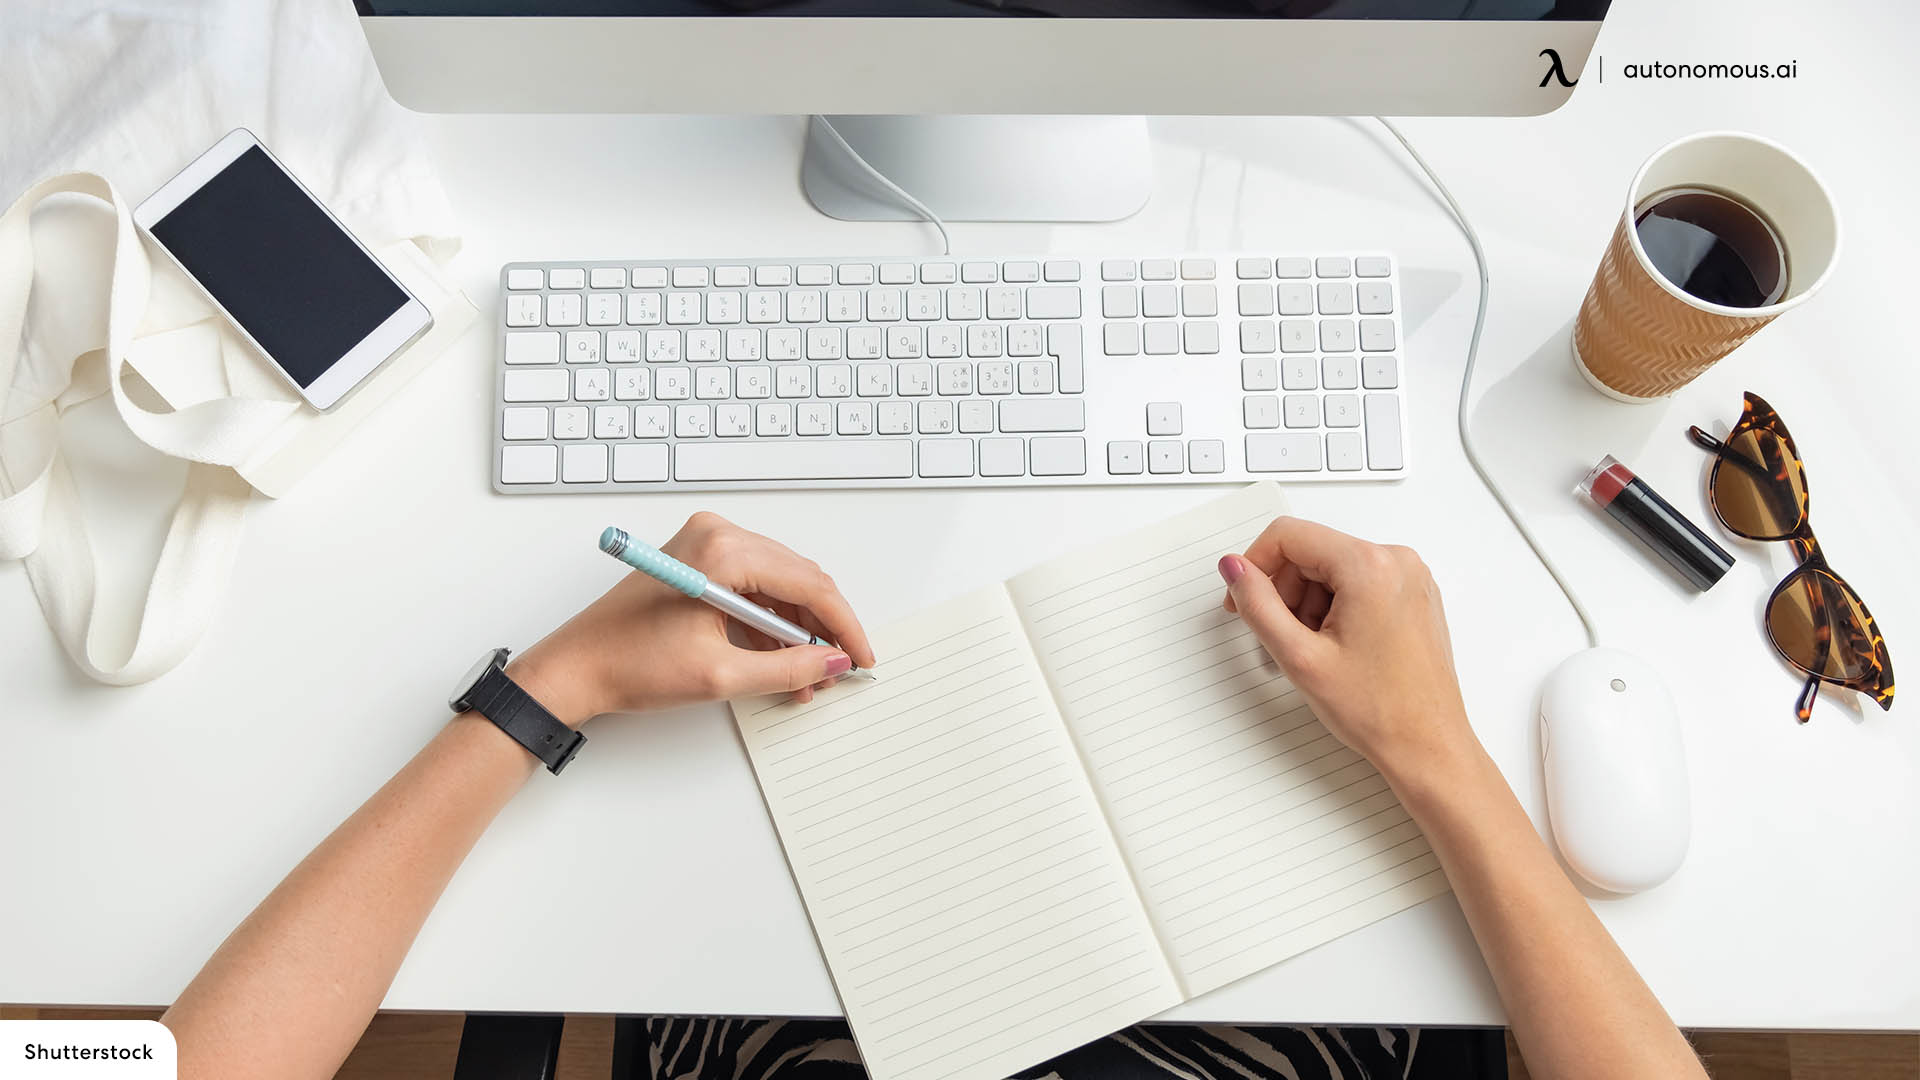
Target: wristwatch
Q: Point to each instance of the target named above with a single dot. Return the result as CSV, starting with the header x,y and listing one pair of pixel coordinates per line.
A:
x,y
488,691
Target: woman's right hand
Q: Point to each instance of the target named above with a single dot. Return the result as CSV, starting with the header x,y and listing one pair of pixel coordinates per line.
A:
x,y
1359,629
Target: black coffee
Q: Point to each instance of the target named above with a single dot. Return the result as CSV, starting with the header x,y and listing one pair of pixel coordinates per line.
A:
x,y
1713,246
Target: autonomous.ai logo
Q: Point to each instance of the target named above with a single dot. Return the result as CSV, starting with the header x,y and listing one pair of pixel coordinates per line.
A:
x,y
1554,68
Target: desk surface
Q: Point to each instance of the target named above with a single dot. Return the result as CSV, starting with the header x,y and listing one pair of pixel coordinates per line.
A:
x,y
140,824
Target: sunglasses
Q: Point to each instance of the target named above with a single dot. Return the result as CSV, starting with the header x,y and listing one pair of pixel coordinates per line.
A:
x,y
1815,620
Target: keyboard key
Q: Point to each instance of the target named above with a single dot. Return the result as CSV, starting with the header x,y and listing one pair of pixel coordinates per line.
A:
x,y
1260,411
673,384
1160,338
1275,452
1252,269
1206,456
585,463
783,343
523,311
944,341
522,422
1343,410
875,380
1379,372
1335,266
946,457
863,343
1036,377
1058,456
1297,335
803,306
923,305
1339,373
896,274
1003,457
976,417
1336,335
712,384
871,459
1053,302
743,344
1199,301
843,305
856,274
1021,271
1336,298
833,380
638,463
886,305
1197,269
823,343
651,421
1060,270
529,464
526,278
683,308
1121,339
754,382
545,385
792,380
563,309
570,422
1043,414
1301,410
813,274
1159,301
1376,335
1292,268
1299,373
995,377
1375,298
1259,373
1163,418
583,346
1345,451
632,384
644,309
692,421
934,418
568,278
723,308
1257,336
703,346
610,421
625,347
1256,300
731,277
1372,266
1202,338
648,277
1165,456
1295,298
1383,432
813,418
914,380
691,277
954,380
903,342
1119,301
777,276
1157,269
984,340
1063,341
533,347
893,418
1003,303
1125,458
937,273
608,277
978,273
1118,270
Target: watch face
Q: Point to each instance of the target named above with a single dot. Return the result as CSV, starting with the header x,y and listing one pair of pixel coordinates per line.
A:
x,y
458,701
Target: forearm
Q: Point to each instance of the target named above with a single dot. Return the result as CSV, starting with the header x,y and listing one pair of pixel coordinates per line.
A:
x,y
292,988
1577,1006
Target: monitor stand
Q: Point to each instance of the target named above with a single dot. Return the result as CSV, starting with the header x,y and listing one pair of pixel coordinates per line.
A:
x,y
983,168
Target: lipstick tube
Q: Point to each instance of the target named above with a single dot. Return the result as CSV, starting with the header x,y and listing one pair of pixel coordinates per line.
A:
x,y
1628,500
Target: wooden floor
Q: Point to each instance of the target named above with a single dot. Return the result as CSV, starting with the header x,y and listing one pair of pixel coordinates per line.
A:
x,y
422,1046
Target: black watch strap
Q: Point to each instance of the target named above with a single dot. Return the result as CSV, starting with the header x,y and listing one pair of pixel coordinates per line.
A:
x,y
513,710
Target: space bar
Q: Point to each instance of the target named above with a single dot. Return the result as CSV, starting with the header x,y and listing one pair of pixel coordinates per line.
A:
x,y
877,459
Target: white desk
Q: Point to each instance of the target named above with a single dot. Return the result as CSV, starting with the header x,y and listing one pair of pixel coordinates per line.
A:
x,y
140,824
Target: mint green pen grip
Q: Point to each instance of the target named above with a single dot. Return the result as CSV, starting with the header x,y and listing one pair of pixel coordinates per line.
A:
x,y
653,562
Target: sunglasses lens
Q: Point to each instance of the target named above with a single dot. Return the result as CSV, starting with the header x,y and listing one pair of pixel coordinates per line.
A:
x,y
1817,623
1761,495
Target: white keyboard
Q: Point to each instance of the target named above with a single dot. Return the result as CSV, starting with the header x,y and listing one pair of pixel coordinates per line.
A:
x,y
757,373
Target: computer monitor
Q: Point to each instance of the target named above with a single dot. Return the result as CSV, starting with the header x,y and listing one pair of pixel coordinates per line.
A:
x,y
984,109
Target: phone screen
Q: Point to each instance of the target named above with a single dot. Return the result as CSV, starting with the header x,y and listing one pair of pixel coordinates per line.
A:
x,y
279,265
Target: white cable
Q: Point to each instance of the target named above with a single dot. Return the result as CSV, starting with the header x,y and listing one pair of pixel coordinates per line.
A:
x,y
1466,383
946,242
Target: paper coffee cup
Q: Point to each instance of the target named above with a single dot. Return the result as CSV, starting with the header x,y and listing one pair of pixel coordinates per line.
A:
x,y
1639,336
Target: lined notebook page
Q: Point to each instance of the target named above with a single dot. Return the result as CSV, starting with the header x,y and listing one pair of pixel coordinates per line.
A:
x,y
969,897
1252,833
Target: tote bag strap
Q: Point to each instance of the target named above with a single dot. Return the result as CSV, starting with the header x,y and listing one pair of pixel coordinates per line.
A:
x,y
40,510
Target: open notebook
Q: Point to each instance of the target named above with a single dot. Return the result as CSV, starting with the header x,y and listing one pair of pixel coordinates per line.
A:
x,y
1073,800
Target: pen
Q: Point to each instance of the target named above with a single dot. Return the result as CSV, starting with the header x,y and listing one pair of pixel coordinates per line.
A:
x,y
671,572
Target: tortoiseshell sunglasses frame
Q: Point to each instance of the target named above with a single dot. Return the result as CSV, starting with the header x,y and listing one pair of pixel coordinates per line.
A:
x,y
1877,680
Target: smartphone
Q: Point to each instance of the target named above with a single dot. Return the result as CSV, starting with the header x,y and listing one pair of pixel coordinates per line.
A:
x,y
283,269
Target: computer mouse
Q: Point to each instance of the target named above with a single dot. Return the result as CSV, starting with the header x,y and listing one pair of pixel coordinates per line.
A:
x,y
1616,770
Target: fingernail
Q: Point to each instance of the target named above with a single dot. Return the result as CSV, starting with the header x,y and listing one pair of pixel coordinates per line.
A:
x,y
1231,568
839,664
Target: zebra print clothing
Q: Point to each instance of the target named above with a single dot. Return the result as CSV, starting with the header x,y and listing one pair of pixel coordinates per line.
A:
x,y
704,1048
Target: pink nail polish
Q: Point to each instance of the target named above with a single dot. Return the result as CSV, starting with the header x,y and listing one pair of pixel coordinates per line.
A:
x,y
1231,568
839,664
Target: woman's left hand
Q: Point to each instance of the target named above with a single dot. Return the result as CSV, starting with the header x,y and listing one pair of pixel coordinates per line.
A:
x,y
645,646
